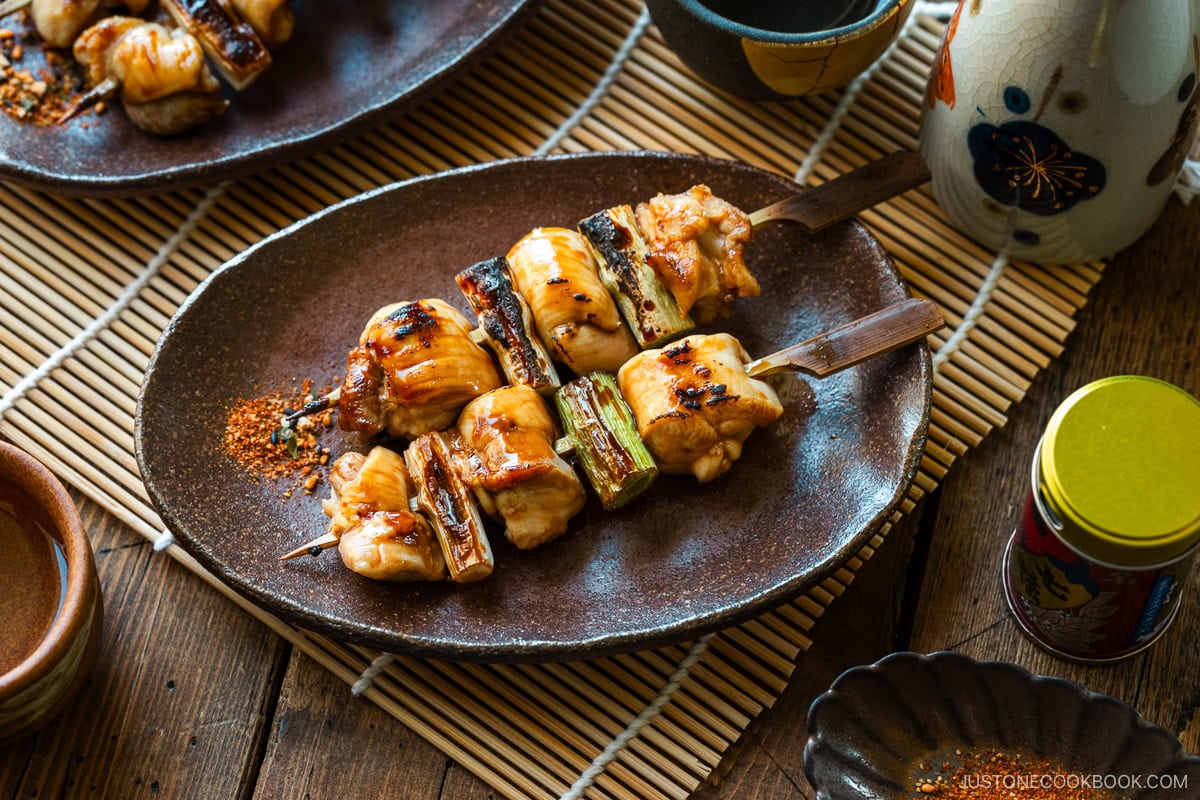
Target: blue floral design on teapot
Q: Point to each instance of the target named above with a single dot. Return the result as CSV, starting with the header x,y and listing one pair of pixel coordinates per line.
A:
x,y
1026,165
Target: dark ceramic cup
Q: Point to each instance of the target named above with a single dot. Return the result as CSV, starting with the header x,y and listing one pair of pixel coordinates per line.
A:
x,y
51,626
772,49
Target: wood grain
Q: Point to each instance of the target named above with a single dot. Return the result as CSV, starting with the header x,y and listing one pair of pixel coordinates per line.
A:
x,y
1142,319
178,704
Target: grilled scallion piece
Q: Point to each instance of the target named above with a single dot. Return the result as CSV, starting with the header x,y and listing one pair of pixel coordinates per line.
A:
x,y
450,506
601,426
507,324
648,306
236,51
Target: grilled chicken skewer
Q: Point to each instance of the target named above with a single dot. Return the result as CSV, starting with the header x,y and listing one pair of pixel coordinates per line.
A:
x,y
694,404
698,244
163,81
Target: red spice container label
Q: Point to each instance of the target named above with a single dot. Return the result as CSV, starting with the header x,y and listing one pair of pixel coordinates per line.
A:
x,y
1096,566
1081,609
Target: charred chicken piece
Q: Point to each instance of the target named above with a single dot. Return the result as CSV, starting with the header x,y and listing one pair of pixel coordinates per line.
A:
x,y
163,81
413,370
695,405
506,446
576,318
378,536
696,246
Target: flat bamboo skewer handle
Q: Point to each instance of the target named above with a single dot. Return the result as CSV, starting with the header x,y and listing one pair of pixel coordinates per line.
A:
x,y
895,326
843,197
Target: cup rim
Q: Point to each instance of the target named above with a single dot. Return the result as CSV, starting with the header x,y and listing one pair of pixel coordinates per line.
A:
x,y
854,30
33,478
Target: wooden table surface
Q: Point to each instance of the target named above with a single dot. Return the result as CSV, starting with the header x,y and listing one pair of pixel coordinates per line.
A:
x,y
194,699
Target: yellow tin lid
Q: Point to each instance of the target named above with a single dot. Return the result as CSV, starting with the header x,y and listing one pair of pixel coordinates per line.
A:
x,y
1120,465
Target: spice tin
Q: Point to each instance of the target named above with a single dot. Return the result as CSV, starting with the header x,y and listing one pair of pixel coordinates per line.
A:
x,y
1096,566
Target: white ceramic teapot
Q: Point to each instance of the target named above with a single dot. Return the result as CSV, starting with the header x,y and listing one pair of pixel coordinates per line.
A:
x,y
1057,128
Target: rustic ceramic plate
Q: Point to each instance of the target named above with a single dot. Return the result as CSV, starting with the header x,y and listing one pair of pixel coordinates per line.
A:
x,y
686,559
870,733
348,66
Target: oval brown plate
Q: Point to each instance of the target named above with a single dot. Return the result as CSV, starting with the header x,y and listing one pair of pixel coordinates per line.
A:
x,y
348,66
686,559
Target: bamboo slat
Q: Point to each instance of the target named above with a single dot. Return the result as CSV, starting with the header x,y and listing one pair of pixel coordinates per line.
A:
x,y
527,730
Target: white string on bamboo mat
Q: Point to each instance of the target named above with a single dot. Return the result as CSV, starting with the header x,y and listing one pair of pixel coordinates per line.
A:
x,y
369,674
643,719
601,87
23,386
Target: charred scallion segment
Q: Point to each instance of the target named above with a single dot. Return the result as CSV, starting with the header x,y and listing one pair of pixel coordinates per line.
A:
x,y
236,51
647,305
450,507
604,433
507,322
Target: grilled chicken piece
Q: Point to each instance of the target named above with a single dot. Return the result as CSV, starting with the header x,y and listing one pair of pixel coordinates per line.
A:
x,y
58,22
164,83
414,369
379,537
696,246
272,20
506,455
695,405
576,318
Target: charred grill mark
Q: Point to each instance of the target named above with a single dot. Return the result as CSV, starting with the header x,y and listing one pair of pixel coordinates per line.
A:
x,y
412,317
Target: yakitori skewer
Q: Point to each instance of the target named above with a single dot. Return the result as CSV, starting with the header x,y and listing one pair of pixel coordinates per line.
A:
x,y
687,408
508,325
600,426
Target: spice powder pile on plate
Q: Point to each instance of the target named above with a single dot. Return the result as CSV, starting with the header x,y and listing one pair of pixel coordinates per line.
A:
x,y
256,438
995,775
37,83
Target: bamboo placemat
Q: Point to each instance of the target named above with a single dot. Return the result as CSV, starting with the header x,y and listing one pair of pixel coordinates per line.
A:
x,y
86,287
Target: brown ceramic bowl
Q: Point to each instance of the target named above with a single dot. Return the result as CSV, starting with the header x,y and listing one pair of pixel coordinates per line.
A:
x,y
42,684
774,49
687,558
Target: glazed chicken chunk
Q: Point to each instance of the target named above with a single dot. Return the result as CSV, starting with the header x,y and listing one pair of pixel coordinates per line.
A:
x,y
695,405
576,318
413,370
58,22
166,87
379,537
697,243
272,20
506,439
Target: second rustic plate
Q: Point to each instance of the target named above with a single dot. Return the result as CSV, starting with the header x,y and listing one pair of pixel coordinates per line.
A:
x,y
348,66
807,493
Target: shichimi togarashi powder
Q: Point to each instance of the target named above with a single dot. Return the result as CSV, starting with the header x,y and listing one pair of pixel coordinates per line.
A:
x,y
997,775
256,438
41,91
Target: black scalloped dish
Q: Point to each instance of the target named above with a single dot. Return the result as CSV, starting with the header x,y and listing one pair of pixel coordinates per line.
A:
x,y
872,732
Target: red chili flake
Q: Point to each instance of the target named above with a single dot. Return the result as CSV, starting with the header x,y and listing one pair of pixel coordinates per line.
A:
x,y
257,439
996,775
